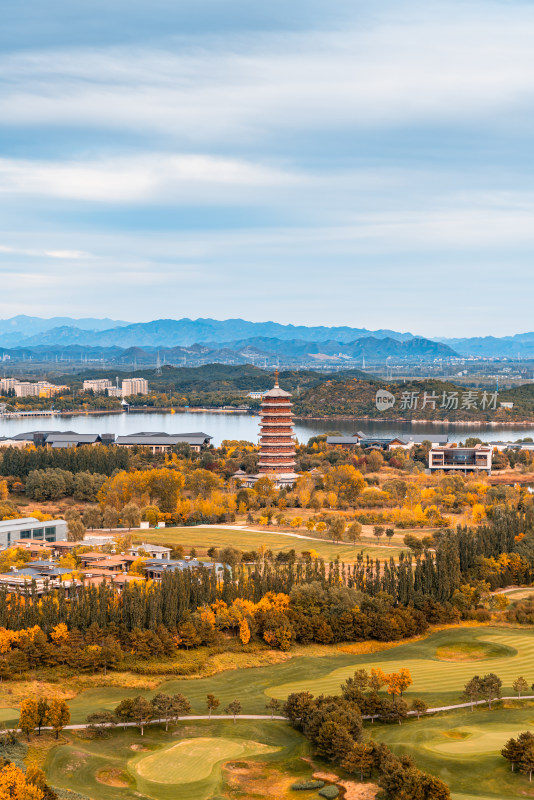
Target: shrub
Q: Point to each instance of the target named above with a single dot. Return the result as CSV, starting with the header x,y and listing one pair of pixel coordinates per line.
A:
x,y
330,792
307,786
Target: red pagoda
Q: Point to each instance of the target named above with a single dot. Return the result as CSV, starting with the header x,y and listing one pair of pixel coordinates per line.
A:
x,y
277,446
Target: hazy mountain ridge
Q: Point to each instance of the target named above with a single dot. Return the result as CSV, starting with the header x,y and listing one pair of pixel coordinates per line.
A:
x,y
186,332
244,337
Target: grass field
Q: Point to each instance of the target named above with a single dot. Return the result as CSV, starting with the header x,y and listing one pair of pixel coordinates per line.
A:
x,y
463,748
195,759
188,764
202,538
439,680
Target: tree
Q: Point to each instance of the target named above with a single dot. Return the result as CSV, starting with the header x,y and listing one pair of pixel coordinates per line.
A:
x,y
100,720
414,544
378,531
141,712
390,532
520,686
377,679
354,532
491,687
273,706
473,690
92,517
181,706
163,708
394,711
526,764
514,748
131,515
76,529
212,703
419,706
59,715
244,631
43,713
233,708
110,518
29,716
15,785
359,759
337,528
123,711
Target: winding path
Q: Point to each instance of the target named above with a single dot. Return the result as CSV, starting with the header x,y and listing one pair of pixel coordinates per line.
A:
x,y
214,717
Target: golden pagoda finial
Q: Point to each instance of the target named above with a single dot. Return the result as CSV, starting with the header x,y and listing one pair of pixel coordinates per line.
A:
x,y
276,377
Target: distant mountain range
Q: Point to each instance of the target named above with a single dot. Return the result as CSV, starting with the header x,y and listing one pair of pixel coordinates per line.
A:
x,y
236,340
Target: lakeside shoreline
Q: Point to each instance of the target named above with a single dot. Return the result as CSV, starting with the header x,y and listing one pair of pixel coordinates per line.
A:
x,y
255,412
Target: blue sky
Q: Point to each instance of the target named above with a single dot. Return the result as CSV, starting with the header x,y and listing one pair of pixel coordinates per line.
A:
x,y
365,164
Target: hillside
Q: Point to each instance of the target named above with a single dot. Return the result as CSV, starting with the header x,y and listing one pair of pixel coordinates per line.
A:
x,y
356,398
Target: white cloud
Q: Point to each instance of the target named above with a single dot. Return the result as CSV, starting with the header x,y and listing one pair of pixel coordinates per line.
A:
x,y
140,178
450,62
61,254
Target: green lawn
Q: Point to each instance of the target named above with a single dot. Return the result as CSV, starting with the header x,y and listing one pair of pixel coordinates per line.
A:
x,y
440,681
185,763
507,652
195,759
463,748
202,538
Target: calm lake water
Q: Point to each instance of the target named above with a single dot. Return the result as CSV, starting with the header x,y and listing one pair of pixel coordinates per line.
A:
x,y
245,426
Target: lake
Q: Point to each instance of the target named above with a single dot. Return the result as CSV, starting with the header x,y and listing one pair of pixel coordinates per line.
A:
x,y
245,426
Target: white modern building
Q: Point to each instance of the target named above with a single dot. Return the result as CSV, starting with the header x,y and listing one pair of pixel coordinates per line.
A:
x,y
53,530
451,458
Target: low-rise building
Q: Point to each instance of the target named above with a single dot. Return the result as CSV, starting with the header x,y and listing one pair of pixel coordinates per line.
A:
x,y
452,458
156,567
150,550
161,442
11,530
368,442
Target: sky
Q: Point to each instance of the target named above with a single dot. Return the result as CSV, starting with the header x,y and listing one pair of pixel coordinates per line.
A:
x,y
309,162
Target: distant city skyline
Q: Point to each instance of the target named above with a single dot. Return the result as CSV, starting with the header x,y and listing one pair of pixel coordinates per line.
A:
x,y
315,163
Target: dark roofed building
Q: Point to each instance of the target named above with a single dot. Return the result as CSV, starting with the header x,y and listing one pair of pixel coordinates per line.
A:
x,y
160,442
405,441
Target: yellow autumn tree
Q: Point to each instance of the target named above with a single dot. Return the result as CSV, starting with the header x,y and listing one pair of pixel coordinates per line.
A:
x,y
14,785
60,634
244,631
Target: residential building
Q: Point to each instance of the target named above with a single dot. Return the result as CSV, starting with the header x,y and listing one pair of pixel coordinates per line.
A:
x,y
134,386
98,386
451,458
164,442
154,568
151,550
11,530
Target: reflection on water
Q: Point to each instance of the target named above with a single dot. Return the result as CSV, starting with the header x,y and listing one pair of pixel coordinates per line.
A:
x,y
245,426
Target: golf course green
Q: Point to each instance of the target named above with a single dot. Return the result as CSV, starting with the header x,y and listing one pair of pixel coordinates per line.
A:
x,y
194,759
188,763
463,748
